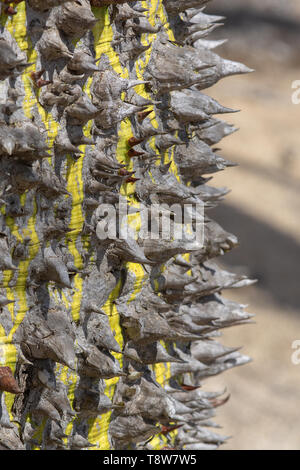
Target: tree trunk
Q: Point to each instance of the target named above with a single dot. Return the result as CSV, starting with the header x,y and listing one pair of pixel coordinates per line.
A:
x,y
105,340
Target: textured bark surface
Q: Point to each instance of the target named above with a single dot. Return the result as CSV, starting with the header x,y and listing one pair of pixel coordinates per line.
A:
x,y
107,342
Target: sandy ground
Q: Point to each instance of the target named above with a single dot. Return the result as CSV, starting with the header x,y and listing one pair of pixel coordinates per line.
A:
x,y
263,210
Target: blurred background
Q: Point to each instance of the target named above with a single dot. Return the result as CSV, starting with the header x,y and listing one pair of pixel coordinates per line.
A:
x,y
263,211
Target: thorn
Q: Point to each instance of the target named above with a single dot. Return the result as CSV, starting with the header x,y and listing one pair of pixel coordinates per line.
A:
x,y
134,153
40,83
124,172
143,114
36,75
131,180
216,403
167,429
7,381
134,141
189,388
37,79
10,10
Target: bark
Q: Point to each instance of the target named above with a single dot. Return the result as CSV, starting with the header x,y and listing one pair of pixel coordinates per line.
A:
x,y
105,343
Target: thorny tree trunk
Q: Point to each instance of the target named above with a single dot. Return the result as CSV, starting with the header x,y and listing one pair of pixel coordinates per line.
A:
x,y
104,344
